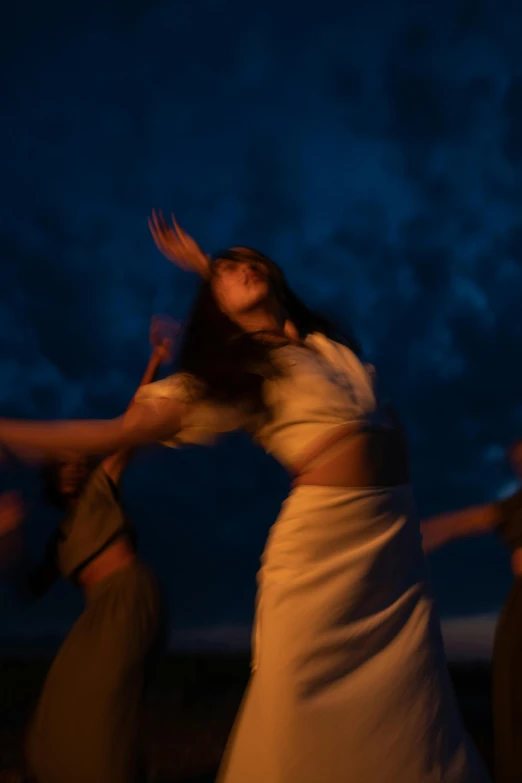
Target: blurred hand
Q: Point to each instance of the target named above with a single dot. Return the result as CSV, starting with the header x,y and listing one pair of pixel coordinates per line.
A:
x,y
178,246
163,335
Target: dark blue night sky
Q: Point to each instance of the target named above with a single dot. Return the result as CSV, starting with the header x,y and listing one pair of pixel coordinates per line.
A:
x,y
373,149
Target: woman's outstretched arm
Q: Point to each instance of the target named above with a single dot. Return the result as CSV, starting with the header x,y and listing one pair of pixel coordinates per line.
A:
x,y
444,528
141,425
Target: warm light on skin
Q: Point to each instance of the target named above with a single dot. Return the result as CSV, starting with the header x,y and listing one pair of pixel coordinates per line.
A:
x,y
243,292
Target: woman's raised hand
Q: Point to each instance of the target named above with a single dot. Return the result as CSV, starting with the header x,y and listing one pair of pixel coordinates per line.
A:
x,y
178,246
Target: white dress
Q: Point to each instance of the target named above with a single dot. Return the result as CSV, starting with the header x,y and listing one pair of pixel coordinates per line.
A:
x,y
349,681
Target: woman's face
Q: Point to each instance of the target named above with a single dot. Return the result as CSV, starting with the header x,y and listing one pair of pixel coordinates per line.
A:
x,y
240,287
72,475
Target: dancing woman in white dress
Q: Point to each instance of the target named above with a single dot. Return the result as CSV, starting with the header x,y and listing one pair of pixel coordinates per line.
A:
x,y
349,681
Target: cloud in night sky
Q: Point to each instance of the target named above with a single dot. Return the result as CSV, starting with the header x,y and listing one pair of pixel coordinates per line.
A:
x,y
375,152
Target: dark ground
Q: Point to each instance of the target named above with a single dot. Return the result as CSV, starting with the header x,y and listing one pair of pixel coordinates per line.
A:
x,y
191,705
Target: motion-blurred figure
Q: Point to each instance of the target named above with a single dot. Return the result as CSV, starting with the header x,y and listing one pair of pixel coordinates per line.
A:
x,y
85,726
505,518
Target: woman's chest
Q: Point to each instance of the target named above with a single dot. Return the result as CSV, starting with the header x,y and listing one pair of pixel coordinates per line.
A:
x,y
310,379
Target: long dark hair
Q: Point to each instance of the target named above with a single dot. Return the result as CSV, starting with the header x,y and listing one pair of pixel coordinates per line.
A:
x,y
231,364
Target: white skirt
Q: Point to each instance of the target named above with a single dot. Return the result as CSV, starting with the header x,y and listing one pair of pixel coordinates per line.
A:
x,y
349,680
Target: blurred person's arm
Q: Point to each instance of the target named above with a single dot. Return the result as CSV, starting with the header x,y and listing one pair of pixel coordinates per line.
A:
x,y
143,424
162,335
473,521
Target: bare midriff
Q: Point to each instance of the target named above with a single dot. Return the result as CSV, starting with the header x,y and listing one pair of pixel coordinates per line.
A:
x,y
356,456
516,562
116,557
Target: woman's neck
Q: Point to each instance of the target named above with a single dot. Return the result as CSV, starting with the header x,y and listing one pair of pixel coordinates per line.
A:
x,y
269,326
260,321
